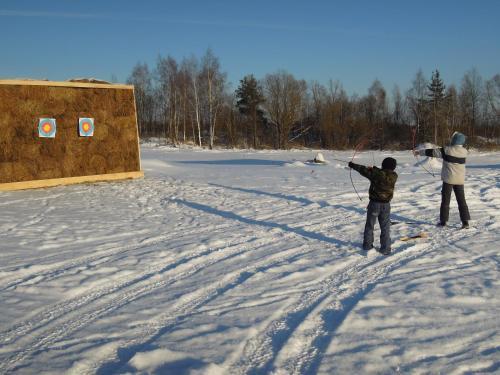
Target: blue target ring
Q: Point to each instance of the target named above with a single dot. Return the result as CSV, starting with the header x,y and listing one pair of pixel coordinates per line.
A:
x,y
47,128
86,126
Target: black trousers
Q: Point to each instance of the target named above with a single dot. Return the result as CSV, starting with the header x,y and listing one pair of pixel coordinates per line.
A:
x,y
445,202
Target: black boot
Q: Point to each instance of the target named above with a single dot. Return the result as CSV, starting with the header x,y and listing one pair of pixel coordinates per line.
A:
x,y
465,225
441,224
385,251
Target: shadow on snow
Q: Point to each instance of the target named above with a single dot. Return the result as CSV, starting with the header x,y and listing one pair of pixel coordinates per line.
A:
x,y
262,223
322,203
237,162
293,198
487,166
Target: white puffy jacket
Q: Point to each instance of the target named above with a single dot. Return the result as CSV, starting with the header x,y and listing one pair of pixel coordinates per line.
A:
x,y
453,171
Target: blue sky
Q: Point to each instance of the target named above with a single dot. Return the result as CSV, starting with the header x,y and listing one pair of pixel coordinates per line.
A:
x,y
355,42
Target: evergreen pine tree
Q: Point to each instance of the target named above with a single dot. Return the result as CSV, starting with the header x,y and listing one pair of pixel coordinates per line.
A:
x,y
249,96
436,98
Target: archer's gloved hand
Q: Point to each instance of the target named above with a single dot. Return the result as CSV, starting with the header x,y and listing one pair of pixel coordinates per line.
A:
x,y
351,164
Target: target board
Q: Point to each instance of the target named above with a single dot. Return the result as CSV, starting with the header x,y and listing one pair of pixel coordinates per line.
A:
x,y
58,133
86,127
47,128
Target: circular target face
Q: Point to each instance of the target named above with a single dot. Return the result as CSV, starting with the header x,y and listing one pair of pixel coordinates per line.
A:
x,y
47,128
86,127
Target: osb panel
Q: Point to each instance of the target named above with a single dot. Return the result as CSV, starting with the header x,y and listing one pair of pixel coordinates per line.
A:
x,y
24,156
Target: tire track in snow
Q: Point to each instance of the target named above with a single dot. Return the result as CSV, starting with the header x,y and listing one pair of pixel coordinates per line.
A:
x,y
260,351
71,315
66,327
311,338
185,307
52,271
488,188
309,319
191,304
97,199
62,329
169,265
67,307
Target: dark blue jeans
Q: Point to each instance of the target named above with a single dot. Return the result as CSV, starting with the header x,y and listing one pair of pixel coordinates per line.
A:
x,y
382,212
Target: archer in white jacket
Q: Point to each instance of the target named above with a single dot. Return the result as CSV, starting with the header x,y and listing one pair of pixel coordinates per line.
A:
x,y
453,176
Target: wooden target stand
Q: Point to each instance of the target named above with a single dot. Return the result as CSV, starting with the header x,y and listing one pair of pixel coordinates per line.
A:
x,y
36,184
91,178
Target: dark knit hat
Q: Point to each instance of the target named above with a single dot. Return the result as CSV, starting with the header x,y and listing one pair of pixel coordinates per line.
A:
x,y
389,163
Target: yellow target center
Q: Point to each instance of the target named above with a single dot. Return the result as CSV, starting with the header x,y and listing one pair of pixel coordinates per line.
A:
x,y
86,126
47,127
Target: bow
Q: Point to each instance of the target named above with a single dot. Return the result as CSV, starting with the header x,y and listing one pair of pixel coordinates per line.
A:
x,y
414,137
358,147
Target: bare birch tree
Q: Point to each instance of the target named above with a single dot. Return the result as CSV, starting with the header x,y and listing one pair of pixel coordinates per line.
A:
x,y
169,96
493,94
214,85
471,94
191,68
285,97
141,78
416,102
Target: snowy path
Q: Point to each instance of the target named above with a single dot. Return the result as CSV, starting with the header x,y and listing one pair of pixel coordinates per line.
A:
x,y
247,263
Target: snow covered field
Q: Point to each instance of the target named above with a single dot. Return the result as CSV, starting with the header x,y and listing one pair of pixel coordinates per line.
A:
x,y
235,262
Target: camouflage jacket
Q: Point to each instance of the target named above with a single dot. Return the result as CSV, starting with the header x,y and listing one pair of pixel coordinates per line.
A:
x,y
382,182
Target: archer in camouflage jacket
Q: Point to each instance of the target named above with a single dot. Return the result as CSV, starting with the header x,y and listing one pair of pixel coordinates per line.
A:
x,y
382,181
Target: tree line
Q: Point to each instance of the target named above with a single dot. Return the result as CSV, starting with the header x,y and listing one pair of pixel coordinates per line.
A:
x,y
190,101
